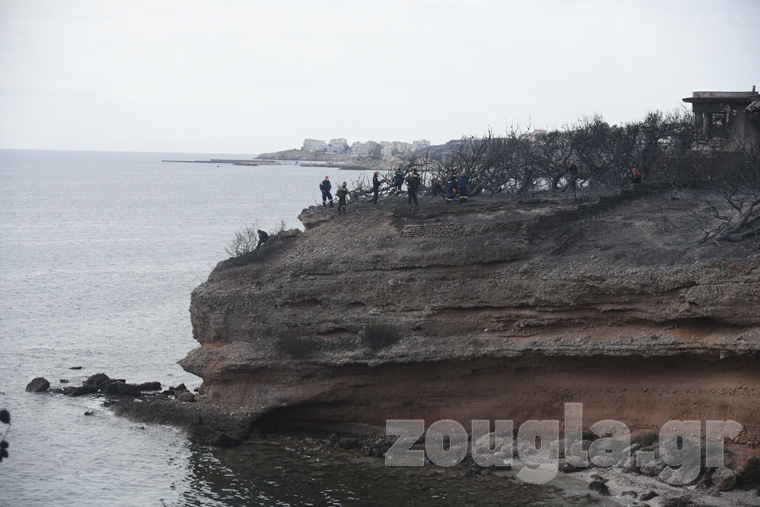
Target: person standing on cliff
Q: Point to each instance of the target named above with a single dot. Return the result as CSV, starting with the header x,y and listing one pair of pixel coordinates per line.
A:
x,y
412,184
463,183
451,187
375,187
325,187
398,178
342,194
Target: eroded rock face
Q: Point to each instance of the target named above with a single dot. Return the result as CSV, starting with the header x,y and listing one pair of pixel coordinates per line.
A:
x,y
490,310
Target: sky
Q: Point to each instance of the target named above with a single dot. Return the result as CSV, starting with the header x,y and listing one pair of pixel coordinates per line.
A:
x,y
253,76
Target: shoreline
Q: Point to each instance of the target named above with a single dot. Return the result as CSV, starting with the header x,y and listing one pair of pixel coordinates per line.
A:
x,y
206,424
347,444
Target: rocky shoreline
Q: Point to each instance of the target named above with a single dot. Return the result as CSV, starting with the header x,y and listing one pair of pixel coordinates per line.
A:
x,y
622,484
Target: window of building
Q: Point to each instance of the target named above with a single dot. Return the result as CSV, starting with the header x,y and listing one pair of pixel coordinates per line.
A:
x,y
718,125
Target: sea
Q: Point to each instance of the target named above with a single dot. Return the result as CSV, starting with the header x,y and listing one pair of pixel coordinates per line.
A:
x,y
99,252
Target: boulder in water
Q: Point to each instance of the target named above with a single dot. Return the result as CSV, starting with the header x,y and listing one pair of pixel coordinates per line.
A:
x,y
38,385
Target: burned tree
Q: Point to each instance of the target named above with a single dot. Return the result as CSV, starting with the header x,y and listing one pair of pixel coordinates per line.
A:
x,y
735,212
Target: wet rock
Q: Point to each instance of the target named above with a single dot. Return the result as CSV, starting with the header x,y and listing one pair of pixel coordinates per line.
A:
x,y
185,397
600,487
630,451
653,467
647,496
96,380
628,465
724,479
680,476
567,468
683,501
150,386
576,450
502,448
122,388
38,385
84,390
379,450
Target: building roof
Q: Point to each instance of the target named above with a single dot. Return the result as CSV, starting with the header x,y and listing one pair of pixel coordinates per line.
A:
x,y
755,106
722,97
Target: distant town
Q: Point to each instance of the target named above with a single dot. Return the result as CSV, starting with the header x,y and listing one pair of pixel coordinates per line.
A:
x,y
369,149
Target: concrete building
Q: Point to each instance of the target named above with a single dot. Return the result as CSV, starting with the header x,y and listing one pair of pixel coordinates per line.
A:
x,y
363,149
730,119
339,145
314,145
421,145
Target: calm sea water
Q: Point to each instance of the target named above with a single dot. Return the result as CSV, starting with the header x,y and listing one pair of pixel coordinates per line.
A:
x,y
98,255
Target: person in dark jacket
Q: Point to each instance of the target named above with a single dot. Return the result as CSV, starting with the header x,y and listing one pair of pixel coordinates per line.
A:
x,y
263,237
375,187
398,178
463,183
451,187
342,193
325,187
412,184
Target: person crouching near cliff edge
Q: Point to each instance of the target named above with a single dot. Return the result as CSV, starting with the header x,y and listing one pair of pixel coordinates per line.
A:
x,y
342,194
325,187
263,237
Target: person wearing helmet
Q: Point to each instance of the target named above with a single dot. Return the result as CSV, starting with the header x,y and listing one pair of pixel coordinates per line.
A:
x,y
463,183
635,175
398,178
451,186
412,184
325,187
342,194
375,187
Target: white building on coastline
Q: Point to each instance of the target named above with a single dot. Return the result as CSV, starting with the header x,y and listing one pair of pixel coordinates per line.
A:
x,y
368,149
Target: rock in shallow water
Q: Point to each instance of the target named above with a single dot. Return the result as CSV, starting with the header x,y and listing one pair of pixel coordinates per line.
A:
x,y
38,385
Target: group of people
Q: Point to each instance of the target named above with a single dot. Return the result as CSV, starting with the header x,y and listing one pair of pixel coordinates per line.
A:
x,y
457,187
342,194
412,181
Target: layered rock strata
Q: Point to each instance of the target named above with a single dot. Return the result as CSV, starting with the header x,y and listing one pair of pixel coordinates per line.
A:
x,y
490,310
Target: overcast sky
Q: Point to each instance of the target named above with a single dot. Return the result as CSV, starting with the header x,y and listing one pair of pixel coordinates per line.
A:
x,y
248,76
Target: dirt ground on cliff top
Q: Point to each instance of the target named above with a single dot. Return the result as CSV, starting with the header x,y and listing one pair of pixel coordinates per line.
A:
x,y
638,226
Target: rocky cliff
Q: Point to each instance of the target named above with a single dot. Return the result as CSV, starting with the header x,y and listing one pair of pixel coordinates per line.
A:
x,y
494,309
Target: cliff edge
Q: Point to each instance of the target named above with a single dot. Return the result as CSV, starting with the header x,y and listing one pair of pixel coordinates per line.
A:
x,y
495,309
